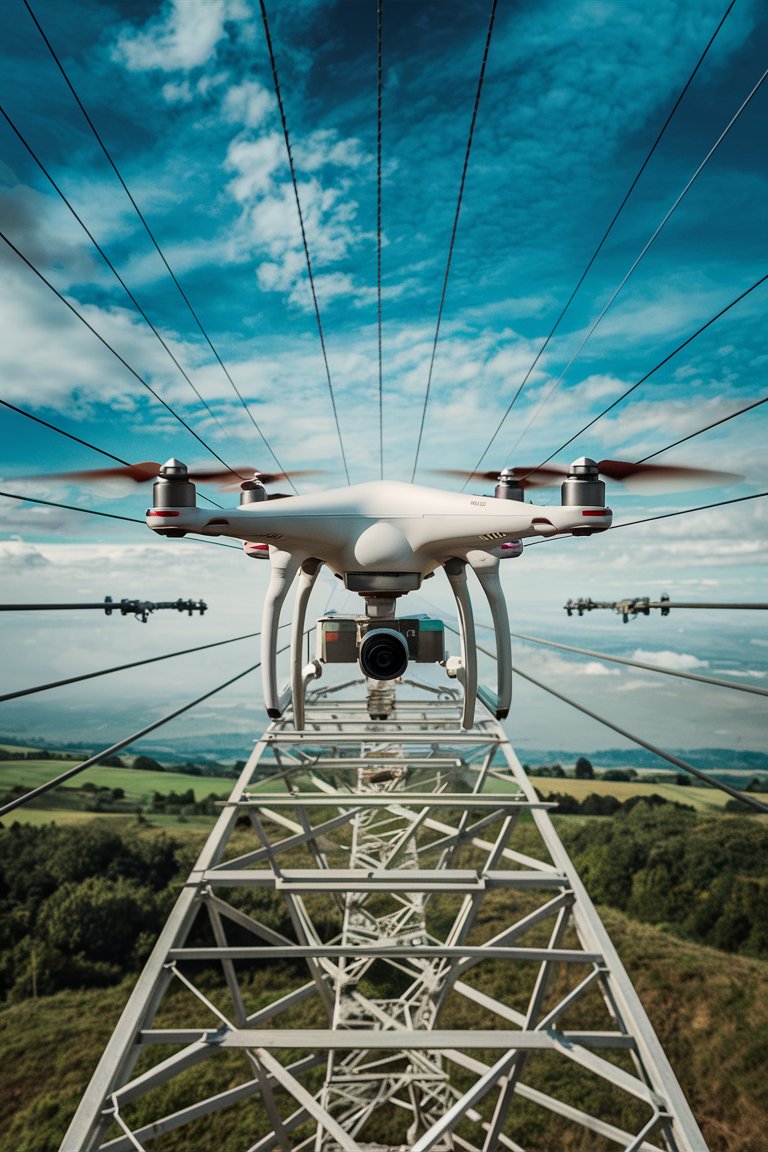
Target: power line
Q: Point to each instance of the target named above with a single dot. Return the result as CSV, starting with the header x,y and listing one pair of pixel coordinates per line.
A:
x,y
655,369
79,440
124,667
746,798
71,507
61,432
605,236
660,516
453,232
634,606
645,667
114,351
140,609
108,515
294,182
686,511
51,784
151,236
378,229
706,428
106,259
637,260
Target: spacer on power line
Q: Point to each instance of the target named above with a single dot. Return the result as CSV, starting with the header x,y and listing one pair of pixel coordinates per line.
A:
x,y
139,609
642,605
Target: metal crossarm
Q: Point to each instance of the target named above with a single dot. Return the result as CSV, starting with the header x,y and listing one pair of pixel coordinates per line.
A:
x,y
384,946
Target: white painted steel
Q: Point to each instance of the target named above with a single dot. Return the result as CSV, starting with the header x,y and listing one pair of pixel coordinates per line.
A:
x,y
371,887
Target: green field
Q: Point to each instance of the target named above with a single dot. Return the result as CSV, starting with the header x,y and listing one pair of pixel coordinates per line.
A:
x,y
702,799
68,803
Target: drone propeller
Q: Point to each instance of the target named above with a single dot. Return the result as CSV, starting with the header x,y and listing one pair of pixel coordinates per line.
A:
x,y
145,470
621,471
527,477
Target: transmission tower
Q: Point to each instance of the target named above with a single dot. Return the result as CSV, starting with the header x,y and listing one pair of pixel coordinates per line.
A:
x,y
384,946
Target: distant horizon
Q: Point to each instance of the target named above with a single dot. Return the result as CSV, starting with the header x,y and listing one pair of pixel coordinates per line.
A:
x,y
215,749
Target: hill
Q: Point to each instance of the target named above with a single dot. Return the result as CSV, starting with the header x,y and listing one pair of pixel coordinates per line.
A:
x,y
710,1011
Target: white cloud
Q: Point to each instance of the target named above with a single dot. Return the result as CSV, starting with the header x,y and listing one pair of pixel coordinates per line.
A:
x,y
678,661
185,36
18,557
249,104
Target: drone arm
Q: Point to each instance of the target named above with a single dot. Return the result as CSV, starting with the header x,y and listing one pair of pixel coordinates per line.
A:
x,y
284,567
307,576
455,570
486,568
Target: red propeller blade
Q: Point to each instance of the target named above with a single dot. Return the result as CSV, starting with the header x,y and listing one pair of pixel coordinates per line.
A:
x,y
230,482
530,477
146,470
677,475
660,473
139,473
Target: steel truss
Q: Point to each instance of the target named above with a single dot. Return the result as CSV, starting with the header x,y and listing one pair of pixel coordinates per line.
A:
x,y
384,945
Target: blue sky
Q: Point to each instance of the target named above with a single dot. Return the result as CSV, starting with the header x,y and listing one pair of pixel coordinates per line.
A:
x,y
575,93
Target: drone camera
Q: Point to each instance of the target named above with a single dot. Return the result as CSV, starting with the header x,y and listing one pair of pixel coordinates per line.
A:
x,y
382,648
383,654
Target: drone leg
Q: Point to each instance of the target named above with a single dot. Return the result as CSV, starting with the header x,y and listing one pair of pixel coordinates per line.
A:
x,y
284,567
486,567
307,575
456,571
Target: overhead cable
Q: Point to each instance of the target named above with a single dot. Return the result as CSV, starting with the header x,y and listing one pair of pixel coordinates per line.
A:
x,y
686,511
105,258
745,797
141,610
706,428
453,233
737,687
599,248
151,236
79,440
64,776
637,260
295,184
108,515
114,352
655,369
124,667
378,231
660,516
61,432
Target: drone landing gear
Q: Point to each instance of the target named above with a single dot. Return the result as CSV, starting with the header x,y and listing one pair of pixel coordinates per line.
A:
x,y
456,571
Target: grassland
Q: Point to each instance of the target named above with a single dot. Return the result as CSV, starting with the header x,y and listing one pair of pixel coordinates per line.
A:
x,y
710,1011
702,799
69,803
709,1008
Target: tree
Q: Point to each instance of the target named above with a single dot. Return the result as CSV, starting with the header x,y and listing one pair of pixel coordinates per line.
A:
x,y
147,764
584,769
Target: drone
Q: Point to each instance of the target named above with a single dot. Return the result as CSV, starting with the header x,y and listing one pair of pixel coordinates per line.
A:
x,y
383,539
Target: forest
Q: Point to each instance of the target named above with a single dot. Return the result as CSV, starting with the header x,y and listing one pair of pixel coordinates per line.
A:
x,y
81,906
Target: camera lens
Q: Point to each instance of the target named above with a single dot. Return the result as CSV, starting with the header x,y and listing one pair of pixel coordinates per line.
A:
x,y
383,654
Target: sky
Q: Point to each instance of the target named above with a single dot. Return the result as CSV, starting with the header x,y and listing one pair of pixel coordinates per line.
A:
x,y
574,95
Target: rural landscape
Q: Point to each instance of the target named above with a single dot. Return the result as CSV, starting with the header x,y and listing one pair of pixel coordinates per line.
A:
x,y
90,873
304,304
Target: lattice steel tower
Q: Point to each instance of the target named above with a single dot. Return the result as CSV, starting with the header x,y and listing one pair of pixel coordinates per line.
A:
x,y
384,945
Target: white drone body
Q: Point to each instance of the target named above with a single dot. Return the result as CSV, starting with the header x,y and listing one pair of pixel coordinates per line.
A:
x,y
382,539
